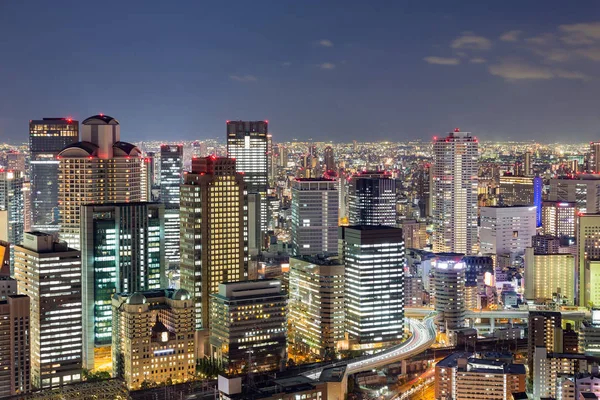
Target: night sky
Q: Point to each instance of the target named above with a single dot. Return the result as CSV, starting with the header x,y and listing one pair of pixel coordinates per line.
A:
x,y
330,70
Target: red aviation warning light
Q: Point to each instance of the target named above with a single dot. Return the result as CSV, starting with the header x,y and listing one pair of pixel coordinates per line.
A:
x,y
456,130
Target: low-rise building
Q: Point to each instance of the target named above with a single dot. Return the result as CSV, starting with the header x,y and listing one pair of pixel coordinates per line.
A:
x,y
153,337
463,376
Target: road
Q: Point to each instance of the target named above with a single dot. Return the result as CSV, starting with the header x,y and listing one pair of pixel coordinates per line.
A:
x,y
423,335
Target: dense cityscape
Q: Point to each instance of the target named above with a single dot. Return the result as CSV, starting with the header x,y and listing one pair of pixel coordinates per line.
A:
x,y
247,268
299,200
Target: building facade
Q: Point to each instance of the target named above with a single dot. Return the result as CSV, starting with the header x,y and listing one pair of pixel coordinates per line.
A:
x,y
171,178
588,259
315,204
12,208
15,365
559,219
248,326
99,169
214,230
47,137
122,251
372,199
583,190
550,277
248,144
374,284
454,193
55,316
153,337
516,190
316,305
507,230
449,291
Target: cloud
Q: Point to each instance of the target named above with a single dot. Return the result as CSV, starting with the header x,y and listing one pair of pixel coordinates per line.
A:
x,y
325,43
442,60
477,60
243,78
580,34
553,55
286,64
591,53
327,66
511,36
514,71
543,39
469,40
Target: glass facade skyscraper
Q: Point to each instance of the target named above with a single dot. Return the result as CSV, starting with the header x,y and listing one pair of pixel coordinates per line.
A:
x,y
248,144
374,284
171,175
121,252
372,199
12,208
47,137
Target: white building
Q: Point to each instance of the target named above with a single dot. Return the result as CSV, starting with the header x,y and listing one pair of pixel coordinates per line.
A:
x,y
314,217
454,193
449,291
56,329
507,230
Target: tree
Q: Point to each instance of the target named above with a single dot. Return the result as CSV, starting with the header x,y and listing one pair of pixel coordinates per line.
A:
x,y
291,363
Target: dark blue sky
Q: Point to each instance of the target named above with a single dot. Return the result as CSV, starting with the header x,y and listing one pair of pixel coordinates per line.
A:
x,y
332,70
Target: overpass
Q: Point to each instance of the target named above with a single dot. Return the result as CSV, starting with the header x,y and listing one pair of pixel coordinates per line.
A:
x,y
423,335
571,315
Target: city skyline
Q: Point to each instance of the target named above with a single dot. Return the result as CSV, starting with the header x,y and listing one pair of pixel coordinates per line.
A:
x,y
380,71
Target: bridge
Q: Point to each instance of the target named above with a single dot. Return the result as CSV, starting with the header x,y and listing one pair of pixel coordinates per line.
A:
x,y
423,335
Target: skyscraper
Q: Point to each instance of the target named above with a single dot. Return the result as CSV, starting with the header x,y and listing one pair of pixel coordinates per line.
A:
x,y
449,291
12,208
247,143
527,163
584,190
55,319
374,259
316,305
171,174
314,216
122,251
328,159
99,169
516,190
549,276
372,199
455,193
15,357
588,259
559,219
47,137
248,325
594,157
214,237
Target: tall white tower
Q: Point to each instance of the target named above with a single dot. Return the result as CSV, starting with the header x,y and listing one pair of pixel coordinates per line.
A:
x,y
454,193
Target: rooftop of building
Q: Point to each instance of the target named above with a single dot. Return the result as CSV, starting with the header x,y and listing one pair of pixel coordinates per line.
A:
x,y
320,259
314,180
100,119
466,361
371,227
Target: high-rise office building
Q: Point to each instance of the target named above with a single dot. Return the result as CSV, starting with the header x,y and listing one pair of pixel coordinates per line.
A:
x,y
314,216
454,192
549,277
12,208
516,190
328,159
148,174
588,259
374,259
56,329
247,143
121,251
27,218
316,305
449,291
528,163
545,244
15,365
171,177
559,220
583,189
372,199
415,233
47,137
15,160
248,326
153,337
214,237
99,169
594,158
507,230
